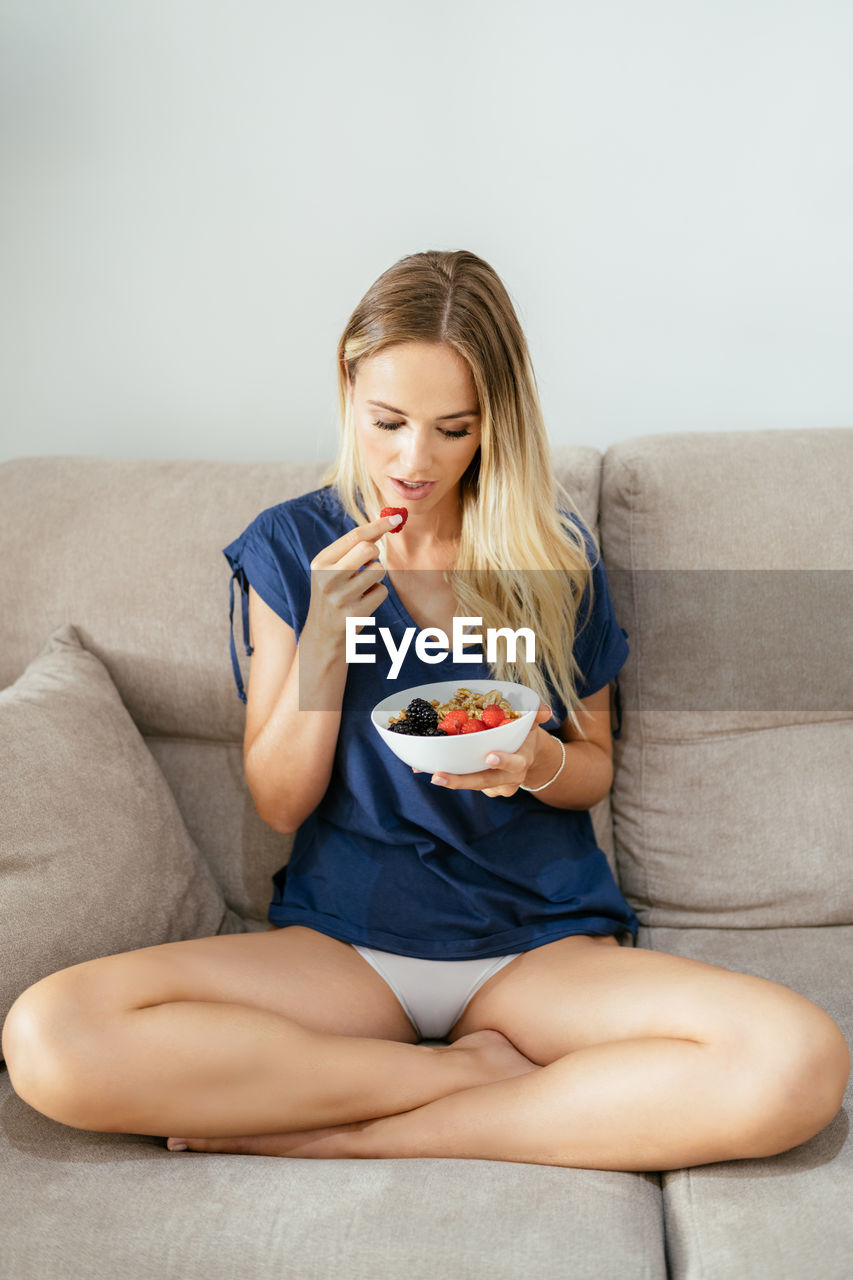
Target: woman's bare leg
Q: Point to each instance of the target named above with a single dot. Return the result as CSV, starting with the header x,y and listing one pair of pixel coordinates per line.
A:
x,y
81,1050
649,1062
630,1105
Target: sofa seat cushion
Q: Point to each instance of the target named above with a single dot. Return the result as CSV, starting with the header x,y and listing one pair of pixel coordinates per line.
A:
x,y
786,1215
80,1203
94,855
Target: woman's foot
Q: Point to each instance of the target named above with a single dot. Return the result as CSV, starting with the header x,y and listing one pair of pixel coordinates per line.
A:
x,y
495,1055
499,1057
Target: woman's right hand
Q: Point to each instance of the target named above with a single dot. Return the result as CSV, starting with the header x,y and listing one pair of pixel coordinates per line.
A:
x,y
341,587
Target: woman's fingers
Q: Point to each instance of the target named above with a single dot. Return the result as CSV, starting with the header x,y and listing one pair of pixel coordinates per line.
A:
x,y
465,781
491,783
329,557
364,552
346,580
509,770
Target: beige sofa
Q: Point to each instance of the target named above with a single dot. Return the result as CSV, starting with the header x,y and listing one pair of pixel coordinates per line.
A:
x,y
125,821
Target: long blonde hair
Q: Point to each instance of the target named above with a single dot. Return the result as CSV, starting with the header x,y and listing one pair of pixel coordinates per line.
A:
x,y
519,563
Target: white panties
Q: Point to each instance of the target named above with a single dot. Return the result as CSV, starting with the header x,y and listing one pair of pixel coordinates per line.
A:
x,y
433,993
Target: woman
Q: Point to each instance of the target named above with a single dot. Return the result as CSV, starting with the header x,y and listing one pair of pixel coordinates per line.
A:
x,y
473,908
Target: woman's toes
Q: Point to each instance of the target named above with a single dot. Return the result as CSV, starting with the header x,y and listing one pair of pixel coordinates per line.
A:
x,y
497,1053
248,1145
234,1146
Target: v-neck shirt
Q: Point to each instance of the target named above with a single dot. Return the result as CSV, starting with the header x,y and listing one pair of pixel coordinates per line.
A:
x,y
389,860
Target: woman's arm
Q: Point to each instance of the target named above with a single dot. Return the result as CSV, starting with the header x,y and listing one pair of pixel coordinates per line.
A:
x,y
295,693
288,753
587,775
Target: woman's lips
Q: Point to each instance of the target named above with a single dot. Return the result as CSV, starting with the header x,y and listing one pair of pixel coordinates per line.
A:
x,y
420,492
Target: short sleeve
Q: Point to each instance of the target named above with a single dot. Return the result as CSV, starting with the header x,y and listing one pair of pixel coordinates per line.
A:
x,y
601,645
264,556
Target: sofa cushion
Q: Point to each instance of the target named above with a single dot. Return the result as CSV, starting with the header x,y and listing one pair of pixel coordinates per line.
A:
x,y
94,855
783,1215
729,556
156,613
77,1204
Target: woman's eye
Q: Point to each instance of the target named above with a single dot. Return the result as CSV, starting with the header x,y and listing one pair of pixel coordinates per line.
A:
x,y
393,426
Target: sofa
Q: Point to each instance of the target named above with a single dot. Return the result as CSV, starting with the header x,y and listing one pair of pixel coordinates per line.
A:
x,y
126,822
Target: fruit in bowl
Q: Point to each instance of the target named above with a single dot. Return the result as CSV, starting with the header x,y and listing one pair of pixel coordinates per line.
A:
x,y
446,726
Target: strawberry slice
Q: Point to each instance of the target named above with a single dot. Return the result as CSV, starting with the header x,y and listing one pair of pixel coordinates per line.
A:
x,y
395,511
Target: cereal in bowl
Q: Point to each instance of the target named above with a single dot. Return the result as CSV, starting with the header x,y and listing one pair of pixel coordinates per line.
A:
x,y
464,712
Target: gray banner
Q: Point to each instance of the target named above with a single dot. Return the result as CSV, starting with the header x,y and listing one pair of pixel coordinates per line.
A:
x,y
714,640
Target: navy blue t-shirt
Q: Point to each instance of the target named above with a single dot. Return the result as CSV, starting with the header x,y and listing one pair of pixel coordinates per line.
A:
x,y
388,859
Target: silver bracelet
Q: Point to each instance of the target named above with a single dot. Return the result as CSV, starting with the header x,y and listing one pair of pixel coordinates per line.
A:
x,y
556,775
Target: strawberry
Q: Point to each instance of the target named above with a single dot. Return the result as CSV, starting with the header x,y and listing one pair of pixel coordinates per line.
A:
x,y
492,716
396,511
450,727
459,715
472,726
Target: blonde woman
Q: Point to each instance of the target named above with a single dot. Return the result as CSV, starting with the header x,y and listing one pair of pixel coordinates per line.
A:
x,y
475,909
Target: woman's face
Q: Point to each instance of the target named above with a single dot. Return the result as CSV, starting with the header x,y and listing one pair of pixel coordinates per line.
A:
x,y
417,419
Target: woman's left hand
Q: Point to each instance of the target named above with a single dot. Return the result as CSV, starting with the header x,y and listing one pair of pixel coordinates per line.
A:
x,y
510,768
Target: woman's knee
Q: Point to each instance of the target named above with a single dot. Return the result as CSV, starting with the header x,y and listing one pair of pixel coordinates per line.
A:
x,y
799,1075
43,1040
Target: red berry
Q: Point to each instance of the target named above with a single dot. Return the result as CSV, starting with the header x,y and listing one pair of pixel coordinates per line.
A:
x,y
450,727
459,715
395,511
492,716
472,726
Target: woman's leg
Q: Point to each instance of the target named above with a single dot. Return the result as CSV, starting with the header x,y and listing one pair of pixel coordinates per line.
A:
x,y
234,1034
648,1062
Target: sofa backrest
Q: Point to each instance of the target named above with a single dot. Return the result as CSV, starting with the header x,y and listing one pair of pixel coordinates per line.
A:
x,y
130,552
729,556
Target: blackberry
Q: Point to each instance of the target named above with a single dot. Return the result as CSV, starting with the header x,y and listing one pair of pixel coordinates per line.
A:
x,y
402,726
423,716
434,733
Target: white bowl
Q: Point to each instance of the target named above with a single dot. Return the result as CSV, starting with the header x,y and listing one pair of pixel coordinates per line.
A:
x,y
465,752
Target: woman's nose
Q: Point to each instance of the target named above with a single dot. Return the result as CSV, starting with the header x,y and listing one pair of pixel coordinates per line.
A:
x,y
416,453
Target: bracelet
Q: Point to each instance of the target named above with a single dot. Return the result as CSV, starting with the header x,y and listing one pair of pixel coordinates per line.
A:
x,y
556,775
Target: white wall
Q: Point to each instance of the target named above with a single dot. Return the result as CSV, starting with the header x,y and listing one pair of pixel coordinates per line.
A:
x,y
196,194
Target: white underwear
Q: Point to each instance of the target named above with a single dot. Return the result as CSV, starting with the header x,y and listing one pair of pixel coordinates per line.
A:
x,y
433,993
